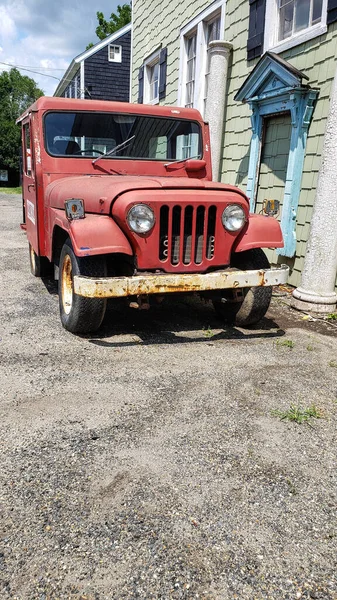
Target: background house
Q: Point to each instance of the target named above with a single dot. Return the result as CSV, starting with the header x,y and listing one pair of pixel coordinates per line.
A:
x,y
102,72
270,123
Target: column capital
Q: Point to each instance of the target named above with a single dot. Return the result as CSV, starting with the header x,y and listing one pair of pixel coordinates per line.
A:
x,y
220,46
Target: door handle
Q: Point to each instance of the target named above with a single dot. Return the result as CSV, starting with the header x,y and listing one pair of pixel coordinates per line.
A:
x,y
31,185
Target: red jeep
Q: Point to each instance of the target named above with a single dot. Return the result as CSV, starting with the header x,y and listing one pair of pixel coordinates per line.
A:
x,y
119,202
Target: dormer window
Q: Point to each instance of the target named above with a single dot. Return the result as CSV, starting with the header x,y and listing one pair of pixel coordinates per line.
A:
x,y
115,53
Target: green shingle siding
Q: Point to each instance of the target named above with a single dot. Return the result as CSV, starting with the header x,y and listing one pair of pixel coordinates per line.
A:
x,y
316,58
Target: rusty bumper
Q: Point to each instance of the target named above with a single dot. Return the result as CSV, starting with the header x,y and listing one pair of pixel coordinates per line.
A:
x,y
164,283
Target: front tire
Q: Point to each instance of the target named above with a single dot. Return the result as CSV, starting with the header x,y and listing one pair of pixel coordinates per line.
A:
x,y
254,302
79,314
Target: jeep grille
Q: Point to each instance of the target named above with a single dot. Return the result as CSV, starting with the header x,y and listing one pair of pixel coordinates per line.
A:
x,y
187,234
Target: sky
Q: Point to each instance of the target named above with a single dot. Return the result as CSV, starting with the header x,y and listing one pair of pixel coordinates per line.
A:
x,y
45,35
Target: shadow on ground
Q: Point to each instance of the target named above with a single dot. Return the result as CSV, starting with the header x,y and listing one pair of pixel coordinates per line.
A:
x,y
181,319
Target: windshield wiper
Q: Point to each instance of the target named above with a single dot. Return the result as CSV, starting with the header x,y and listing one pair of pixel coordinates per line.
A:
x,y
122,145
180,160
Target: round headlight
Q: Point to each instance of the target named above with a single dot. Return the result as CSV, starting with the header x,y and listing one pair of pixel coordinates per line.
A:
x,y
233,217
141,218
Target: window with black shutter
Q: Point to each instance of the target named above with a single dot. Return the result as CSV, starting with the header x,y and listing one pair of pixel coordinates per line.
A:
x,y
152,78
257,10
162,73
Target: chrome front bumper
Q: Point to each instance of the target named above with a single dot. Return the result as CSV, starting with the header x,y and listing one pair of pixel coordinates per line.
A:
x,y
165,283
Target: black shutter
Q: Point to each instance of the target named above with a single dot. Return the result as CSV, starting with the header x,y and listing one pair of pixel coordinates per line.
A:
x,y
141,84
257,10
162,73
332,11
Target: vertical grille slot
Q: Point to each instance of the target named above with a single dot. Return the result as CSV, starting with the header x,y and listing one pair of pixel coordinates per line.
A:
x,y
175,235
187,234
188,227
199,235
210,246
163,233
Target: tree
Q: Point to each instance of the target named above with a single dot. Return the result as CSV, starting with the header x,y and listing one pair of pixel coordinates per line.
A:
x,y
17,92
117,21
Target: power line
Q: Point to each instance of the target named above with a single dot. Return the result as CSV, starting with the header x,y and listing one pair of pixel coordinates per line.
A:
x,y
29,70
45,75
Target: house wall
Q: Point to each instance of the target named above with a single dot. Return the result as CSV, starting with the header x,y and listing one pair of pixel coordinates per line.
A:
x,y
148,35
105,80
73,89
316,59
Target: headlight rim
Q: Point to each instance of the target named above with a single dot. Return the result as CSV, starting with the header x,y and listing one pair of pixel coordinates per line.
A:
x,y
141,204
230,207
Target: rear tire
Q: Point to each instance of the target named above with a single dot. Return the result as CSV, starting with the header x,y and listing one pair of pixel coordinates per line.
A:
x,y
40,266
255,300
79,314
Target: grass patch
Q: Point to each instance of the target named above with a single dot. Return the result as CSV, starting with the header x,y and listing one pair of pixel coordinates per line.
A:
x,y
298,414
285,343
8,190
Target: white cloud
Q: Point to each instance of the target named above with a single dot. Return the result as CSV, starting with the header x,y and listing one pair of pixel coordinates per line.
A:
x,y
45,36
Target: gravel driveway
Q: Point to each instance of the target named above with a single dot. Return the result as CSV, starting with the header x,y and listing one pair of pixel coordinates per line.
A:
x,y
145,461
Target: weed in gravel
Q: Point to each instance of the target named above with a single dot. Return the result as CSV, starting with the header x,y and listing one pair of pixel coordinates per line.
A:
x,y
207,332
298,414
286,343
333,363
331,317
310,347
292,488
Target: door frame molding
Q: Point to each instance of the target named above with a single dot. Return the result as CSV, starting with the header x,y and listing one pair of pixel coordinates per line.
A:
x,y
275,87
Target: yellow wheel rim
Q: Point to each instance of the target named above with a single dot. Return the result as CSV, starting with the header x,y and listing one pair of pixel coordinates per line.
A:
x,y
32,257
67,284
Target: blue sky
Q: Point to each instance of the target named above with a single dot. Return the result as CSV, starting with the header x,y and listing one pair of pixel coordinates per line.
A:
x,y
45,35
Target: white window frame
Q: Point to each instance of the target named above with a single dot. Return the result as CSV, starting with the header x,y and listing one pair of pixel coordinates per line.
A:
x,y
198,25
272,28
149,63
118,57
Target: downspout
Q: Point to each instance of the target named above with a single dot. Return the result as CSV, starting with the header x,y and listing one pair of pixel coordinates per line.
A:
x,y
219,55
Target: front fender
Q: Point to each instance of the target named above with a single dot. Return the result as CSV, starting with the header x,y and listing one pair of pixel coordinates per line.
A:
x,y
261,232
95,234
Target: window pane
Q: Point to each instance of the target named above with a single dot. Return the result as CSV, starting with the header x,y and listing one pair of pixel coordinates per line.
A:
x,y
316,11
151,137
190,70
302,14
213,30
191,46
154,80
286,19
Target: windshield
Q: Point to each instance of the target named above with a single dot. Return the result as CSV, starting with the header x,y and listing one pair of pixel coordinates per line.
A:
x,y
83,134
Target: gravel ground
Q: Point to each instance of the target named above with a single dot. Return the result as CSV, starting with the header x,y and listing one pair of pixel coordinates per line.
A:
x,y
145,461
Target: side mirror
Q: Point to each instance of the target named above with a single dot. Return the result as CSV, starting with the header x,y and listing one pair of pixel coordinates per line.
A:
x,y
194,164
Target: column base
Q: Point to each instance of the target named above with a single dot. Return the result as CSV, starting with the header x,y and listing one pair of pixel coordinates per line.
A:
x,y
312,302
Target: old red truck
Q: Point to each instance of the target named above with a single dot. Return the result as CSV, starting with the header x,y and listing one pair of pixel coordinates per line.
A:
x,y
119,202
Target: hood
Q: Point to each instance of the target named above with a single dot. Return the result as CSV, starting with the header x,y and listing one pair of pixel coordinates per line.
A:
x,y
99,191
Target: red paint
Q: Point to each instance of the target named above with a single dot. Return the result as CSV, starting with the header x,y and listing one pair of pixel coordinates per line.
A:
x,y
109,188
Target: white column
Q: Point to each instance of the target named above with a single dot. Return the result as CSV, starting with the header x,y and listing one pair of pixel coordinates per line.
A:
x,y
219,53
317,289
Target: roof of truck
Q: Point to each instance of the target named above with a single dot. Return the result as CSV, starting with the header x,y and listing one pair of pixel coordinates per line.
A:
x,y
73,104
